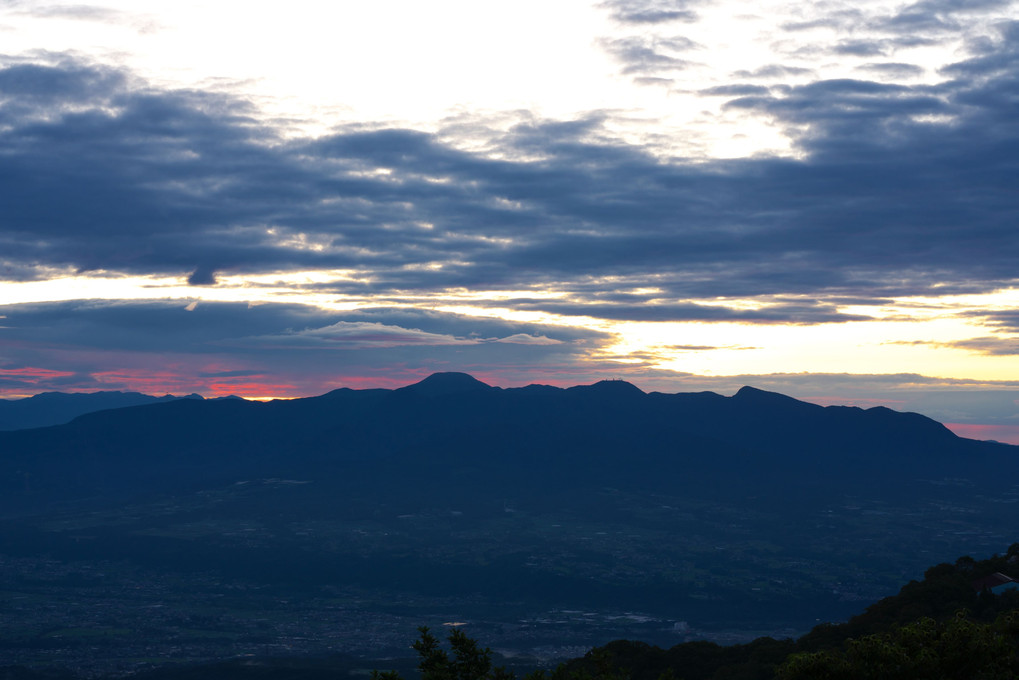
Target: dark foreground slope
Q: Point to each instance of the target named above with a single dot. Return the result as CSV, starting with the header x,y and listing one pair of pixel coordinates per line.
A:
x,y
550,518
944,601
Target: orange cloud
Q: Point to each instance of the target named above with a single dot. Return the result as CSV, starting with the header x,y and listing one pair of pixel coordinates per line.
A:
x,y
34,375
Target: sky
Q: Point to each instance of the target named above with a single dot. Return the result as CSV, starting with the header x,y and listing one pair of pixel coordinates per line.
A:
x,y
818,198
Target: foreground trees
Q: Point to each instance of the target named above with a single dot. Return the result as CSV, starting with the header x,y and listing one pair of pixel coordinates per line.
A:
x,y
956,649
468,661
959,649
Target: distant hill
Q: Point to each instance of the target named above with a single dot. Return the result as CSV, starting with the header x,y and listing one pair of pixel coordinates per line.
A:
x,y
56,408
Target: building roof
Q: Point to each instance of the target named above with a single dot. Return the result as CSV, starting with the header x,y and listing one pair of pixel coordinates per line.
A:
x,y
993,581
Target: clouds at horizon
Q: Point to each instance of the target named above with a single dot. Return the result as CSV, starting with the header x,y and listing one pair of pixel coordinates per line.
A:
x,y
254,350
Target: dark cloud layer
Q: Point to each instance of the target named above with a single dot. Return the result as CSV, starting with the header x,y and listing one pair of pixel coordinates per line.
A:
x,y
901,190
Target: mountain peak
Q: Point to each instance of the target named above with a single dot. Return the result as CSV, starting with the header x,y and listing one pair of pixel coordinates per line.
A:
x,y
617,386
441,384
763,399
609,387
747,392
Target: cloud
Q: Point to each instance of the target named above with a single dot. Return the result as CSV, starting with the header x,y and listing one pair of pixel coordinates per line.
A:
x,y
66,82
75,12
31,374
995,56
481,328
845,38
158,326
230,374
894,70
831,17
524,339
650,12
202,276
937,16
645,308
1007,320
995,346
774,71
925,22
344,335
647,56
735,90
84,13
861,48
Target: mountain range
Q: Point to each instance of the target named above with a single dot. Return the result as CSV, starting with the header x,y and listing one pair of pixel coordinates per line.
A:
x,y
538,435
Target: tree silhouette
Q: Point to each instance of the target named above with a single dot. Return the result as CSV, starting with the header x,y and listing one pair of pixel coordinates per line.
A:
x,y
469,661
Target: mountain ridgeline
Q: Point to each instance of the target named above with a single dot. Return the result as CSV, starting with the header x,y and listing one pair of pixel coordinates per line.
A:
x,y
453,425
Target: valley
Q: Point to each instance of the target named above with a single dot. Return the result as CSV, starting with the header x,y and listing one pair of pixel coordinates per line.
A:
x,y
258,568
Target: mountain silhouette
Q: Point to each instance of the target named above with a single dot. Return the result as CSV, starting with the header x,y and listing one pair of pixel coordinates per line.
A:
x,y
441,384
586,434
